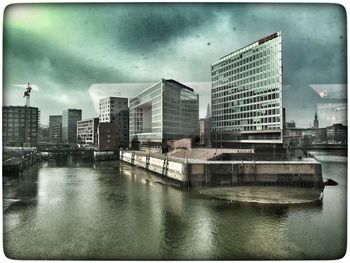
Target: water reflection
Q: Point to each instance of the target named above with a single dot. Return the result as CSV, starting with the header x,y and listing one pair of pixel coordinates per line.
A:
x,y
116,211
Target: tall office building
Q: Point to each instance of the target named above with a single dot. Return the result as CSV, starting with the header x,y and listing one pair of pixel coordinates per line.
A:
x,y
167,110
115,110
20,125
55,128
87,131
246,95
70,117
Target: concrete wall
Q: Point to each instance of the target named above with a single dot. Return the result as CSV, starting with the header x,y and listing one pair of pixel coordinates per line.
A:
x,y
256,173
159,164
221,173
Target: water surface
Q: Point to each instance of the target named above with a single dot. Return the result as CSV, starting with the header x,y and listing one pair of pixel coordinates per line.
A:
x,y
116,211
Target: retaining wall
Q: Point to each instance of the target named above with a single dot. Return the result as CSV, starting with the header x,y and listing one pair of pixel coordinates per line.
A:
x,y
221,173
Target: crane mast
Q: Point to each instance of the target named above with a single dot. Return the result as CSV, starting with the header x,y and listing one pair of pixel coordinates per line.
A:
x,y
27,94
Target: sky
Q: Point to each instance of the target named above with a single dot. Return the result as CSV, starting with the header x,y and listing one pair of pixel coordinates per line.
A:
x,y
75,54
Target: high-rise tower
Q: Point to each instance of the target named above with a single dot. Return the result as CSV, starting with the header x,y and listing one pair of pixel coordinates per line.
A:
x,y
246,95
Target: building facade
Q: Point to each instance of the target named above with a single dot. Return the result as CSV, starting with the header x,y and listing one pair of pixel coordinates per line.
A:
x,y
20,125
168,110
43,133
337,133
55,128
87,131
116,111
246,95
204,131
70,117
107,137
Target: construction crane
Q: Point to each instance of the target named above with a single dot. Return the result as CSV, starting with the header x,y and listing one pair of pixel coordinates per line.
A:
x,y
27,94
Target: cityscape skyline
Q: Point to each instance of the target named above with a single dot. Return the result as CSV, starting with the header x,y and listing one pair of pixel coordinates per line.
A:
x,y
180,40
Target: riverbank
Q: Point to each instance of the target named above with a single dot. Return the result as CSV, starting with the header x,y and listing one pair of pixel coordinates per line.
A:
x,y
16,159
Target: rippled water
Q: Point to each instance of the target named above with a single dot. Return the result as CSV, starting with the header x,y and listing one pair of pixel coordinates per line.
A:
x,y
75,211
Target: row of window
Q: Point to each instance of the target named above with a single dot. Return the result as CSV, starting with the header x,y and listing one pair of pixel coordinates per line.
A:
x,y
240,99
259,66
253,127
274,44
232,114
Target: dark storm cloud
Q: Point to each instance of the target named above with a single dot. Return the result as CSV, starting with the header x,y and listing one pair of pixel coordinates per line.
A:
x,y
71,46
146,27
62,67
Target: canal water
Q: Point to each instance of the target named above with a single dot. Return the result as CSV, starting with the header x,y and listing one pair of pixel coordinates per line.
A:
x,y
115,211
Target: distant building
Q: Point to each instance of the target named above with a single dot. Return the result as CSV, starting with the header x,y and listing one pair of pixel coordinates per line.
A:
x,y
337,133
246,95
204,131
168,110
115,110
20,125
43,134
70,117
290,124
331,113
334,134
107,136
55,128
316,122
87,131
204,128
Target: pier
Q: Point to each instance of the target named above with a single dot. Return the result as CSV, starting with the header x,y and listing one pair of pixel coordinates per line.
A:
x,y
201,173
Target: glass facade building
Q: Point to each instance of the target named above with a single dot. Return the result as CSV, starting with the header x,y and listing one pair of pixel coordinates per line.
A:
x,y
246,94
70,117
167,110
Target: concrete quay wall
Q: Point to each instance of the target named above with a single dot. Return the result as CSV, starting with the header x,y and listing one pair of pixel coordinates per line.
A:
x,y
229,173
168,167
307,174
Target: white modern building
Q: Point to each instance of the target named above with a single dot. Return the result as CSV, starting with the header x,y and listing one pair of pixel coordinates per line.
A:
x,y
87,131
246,95
115,110
168,110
